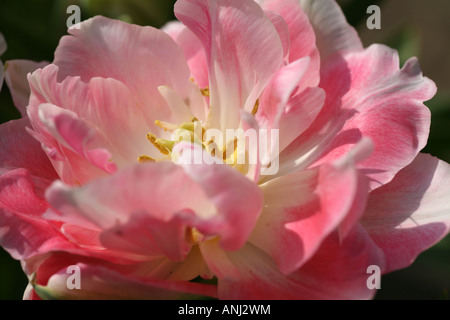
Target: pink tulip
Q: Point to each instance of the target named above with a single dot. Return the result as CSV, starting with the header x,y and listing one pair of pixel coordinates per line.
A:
x,y
81,184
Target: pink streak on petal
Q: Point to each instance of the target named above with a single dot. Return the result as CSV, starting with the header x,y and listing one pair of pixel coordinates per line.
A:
x,y
412,212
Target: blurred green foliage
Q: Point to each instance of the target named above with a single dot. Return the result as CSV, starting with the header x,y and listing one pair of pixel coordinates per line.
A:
x,y
33,28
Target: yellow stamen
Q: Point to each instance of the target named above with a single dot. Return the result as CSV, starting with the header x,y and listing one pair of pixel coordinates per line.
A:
x,y
194,236
190,126
211,146
144,158
256,107
164,146
166,126
205,92
228,148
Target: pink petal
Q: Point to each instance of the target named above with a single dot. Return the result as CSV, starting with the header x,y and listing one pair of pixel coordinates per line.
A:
x,y
300,112
283,32
143,58
84,237
99,201
337,271
278,91
249,122
412,212
149,236
340,267
100,283
333,33
79,146
288,104
367,95
225,187
21,150
18,194
193,51
16,79
242,48
301,35
108,104
302,209
197,197
25,236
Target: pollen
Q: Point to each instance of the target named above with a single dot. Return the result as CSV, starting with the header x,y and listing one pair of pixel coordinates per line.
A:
x,y
205,91
194,236
255,108
166,126
194,132
144,158
164,146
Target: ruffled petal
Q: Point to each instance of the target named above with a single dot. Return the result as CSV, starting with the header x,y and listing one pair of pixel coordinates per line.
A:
x,y
26,236
337,271
367,95
302,38
75,147
107,104
148,58
21,150
412,212
100,283
16,79
242,48
181,198
302,209
333,33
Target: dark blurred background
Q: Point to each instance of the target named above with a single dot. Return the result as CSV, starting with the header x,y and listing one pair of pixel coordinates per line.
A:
x,y
32,29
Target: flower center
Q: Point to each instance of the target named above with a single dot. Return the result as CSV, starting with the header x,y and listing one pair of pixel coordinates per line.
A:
x,y
194,132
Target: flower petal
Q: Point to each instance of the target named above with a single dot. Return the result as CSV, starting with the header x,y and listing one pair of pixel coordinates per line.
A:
x,y
225,187
21,150
143,58
412,212
26,236
337,271
367,95
301,35
197,197
16,79
193,51
302,209
148,236
283,32
288,104
106,103
332,31
18,194
242,48
74,146
100,283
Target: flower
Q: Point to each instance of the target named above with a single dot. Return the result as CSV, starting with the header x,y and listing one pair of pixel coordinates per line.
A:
x,y
95,175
